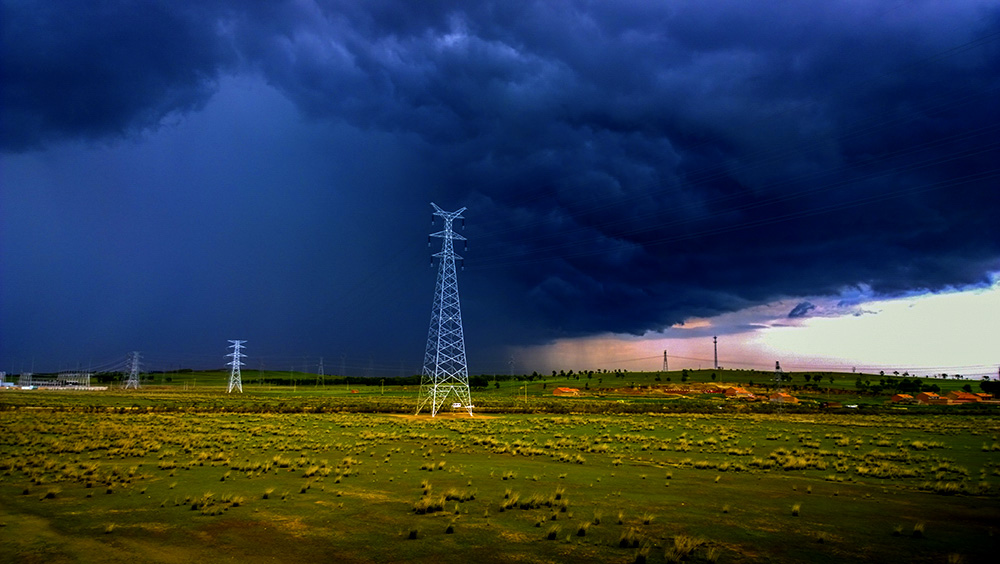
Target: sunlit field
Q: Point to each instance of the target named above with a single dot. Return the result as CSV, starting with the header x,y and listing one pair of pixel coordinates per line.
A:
x,y
174,475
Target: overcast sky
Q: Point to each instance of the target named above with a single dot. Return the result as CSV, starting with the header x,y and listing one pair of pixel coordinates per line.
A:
x,y
176,174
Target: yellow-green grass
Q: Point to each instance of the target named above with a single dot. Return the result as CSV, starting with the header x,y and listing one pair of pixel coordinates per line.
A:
x,y
350,485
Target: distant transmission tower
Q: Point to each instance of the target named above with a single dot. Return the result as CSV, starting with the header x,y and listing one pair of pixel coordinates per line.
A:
x,y
715,345
133,374
445,370
235,381
664,361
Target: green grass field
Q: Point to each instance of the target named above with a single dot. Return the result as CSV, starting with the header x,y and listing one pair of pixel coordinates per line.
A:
x,y
170,474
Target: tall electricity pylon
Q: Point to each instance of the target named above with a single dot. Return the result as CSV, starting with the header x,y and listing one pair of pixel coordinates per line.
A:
x,y
133,374
445,370
235,381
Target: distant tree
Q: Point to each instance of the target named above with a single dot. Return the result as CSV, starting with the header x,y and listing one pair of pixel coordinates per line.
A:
x,y
990,386
713,377
497,385
967,388
831,379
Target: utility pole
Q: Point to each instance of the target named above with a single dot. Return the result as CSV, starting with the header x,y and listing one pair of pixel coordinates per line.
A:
x,y
235,380
445,369
778,376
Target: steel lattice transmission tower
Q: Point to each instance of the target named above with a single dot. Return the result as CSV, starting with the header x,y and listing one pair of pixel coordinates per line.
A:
x,y
133,374
235,381
445,370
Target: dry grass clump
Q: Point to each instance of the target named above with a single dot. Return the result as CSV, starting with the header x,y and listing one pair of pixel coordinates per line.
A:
x,y
629,538
682,548
429,504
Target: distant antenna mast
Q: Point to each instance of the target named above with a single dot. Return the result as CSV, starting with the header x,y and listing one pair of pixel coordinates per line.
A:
x,y
445,370
133,375
715,345
665,361
235,380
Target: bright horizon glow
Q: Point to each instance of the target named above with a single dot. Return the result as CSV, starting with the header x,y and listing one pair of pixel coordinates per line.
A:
x,y
952,332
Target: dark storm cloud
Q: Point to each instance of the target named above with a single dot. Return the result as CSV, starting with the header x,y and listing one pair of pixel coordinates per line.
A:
x,y
626,165
93,69
801,309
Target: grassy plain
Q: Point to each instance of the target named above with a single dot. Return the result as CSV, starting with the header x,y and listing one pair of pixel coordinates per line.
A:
x,y
177,475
